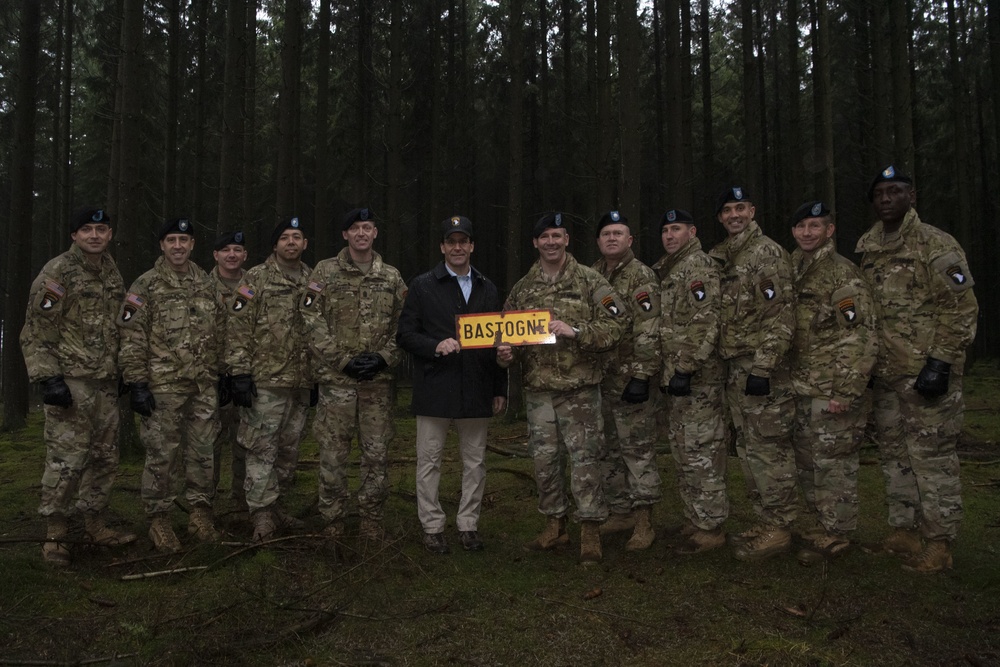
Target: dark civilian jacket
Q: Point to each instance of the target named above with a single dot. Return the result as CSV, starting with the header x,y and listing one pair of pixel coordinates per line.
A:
x,y
458,385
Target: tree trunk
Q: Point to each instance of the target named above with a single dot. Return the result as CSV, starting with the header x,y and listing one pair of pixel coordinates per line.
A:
x,y
823,104
362,192
201,102
322,238
231,148
707,125
672,104
605,163
174,81
686,186
793,162
629,45
750,170
515,125
286,202
394,145
902,110
659,165
22,180
249,138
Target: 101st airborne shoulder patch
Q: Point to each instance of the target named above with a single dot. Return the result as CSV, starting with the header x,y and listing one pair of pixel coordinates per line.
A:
x,y
952,267
53,292
698,290
767,289
609,302
957,274
848,310
133,302
313,291
645,303
243,296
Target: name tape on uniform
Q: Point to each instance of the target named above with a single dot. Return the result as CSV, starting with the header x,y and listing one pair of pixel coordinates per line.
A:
x,y
515,327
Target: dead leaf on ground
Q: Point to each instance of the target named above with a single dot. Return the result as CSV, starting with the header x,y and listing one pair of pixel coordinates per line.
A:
x,y
593,593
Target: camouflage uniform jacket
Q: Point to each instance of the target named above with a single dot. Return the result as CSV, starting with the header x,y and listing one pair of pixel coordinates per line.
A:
x,y
223,291
923,295
69,327
582,298
171,326
265,328
348,312
758,319
638,353
690,304
835,338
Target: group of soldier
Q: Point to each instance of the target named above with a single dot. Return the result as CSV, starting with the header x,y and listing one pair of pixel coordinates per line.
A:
x,y
790,354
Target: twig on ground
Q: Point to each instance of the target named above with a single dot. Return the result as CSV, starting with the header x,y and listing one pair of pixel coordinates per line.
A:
x,y
162,573
506,452
596,611
91,661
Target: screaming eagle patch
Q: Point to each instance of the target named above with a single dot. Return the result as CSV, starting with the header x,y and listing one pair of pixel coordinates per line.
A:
x,y
698,290
133,302
53,292
609,303
312,293
957,274
848,310
642,298
767,289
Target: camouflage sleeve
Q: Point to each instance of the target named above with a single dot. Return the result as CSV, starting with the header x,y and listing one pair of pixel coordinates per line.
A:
x,y
319,338
955,304
857,343
42,330
701,333
390,350
774,289
133,324
241,326
221,321
609,318
645,298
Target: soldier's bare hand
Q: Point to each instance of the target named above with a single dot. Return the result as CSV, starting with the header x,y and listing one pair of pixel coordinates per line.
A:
x,y
561,329
836,407
446,347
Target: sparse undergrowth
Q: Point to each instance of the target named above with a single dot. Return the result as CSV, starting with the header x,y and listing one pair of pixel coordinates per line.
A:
x,y
298,601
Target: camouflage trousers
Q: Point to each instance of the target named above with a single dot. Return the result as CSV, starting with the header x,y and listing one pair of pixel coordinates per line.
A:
x,y
178,439
629,473
917,441
826,460
229,422
364,408
567,424
81,449
697,433
763,426
270,433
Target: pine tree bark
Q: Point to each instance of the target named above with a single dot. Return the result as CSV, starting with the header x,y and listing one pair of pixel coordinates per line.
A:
x,y
286,203
630,175
231,149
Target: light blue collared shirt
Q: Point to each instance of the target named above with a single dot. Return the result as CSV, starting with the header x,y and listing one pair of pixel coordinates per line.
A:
x,y
465,282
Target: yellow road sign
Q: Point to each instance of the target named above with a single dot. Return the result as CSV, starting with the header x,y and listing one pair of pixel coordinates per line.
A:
x,y
515,327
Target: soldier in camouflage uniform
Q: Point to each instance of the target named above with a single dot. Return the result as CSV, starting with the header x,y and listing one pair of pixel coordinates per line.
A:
x,y
267,357
351,312
631,478
755,332
171,325
693,379
562,383
229,253
70,346
927,313
832,355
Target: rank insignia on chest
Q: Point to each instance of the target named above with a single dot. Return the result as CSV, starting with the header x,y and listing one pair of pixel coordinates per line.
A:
x,y
698,290
957,274
848,309
243,296
767,289
644,301
609,303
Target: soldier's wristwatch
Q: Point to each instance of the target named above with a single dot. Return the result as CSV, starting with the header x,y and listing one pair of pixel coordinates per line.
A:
x,y
576,330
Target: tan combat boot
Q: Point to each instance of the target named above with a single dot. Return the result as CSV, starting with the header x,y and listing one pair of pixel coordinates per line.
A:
x,y
642,535
161,533
618,523
264,526
935,557
554,535
702,540
903,542
334,530
823,546
286,521
590,542
56,553
99,533
737,539
770,541
201,525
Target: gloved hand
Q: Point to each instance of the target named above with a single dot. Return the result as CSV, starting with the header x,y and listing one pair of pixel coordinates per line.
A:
x,y
933,379
244,390
680,384
122,387
757,386
225,387
142,399
357,367
55,392
313,396
376,364
636,391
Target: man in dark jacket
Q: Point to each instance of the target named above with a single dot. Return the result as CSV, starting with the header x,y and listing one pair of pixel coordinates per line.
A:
x,y
451,386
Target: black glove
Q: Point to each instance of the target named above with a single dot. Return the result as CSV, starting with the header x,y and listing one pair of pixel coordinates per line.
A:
x,y
55,392
313,396
933,379
757,386
122,387
225,390
142,399
244,390
375,365
636,391
680,384
357,367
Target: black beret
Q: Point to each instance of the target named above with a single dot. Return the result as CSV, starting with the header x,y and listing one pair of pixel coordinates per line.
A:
x,y
611,218
355,215
177,226
88,215
735,193
890,173
811,209
230,238
676,215
289,223
456,223
548,221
